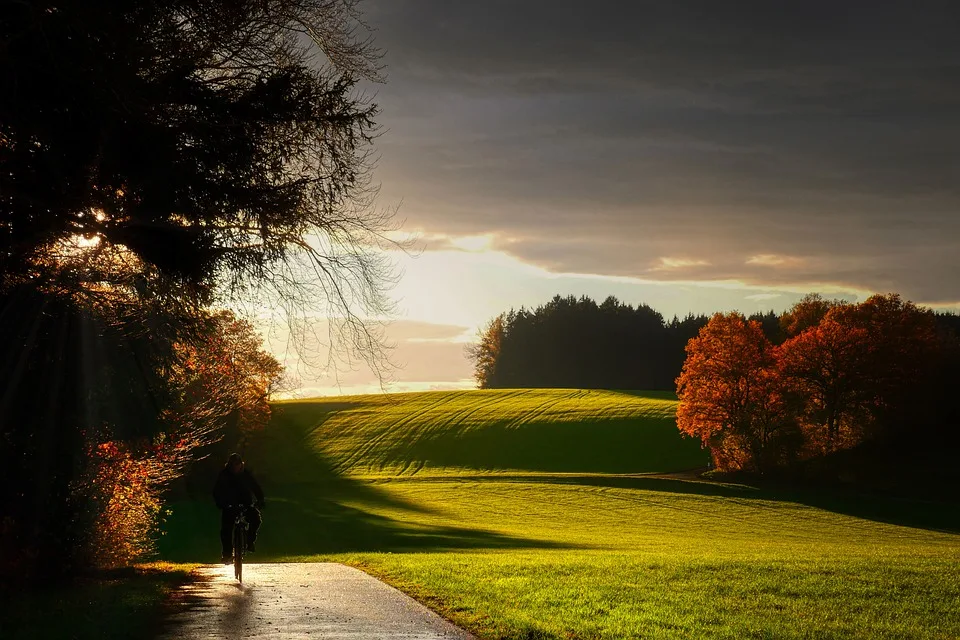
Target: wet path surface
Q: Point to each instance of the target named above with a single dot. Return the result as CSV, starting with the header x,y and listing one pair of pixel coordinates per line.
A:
x,y
305,600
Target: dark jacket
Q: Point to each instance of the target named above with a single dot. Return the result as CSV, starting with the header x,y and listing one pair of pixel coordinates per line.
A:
x,y
236,489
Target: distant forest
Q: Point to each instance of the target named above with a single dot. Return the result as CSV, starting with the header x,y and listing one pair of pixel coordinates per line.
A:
x,y
573,342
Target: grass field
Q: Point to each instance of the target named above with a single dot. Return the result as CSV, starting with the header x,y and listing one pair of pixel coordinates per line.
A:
x,y
536,430
109,605
483,506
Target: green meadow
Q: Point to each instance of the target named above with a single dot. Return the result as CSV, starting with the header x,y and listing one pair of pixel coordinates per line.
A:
x,y
550,514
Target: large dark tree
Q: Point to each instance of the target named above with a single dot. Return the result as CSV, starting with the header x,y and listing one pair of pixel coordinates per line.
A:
x,y
157,158
206,142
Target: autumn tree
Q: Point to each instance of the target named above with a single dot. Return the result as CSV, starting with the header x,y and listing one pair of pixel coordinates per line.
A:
x,y
864,370
906,347
806,314
730,395
486,352
223,380
828,366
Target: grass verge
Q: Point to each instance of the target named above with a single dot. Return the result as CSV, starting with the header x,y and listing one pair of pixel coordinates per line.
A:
x,y
126,603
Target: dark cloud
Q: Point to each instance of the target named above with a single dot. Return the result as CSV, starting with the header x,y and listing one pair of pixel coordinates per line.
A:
x,y
603,136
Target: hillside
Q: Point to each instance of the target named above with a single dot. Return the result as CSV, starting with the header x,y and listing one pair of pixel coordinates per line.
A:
x,y
529,430
507,511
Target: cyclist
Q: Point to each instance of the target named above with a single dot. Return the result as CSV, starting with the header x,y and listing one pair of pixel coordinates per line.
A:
x,y
235,487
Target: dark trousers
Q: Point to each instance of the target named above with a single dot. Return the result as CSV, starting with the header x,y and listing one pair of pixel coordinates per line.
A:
x,y
227,517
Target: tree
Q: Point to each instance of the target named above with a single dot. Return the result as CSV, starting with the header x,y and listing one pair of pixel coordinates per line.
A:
x,y
157,158
222,381
574,342
805,314
730,395
828,365
903,362
770,323
218,148
864,371
486,353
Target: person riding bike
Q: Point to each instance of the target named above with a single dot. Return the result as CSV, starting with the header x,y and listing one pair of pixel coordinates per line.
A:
x,y
234,489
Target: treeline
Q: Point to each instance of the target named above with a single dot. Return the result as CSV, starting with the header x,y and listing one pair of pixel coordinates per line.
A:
x,y
796,391
573,342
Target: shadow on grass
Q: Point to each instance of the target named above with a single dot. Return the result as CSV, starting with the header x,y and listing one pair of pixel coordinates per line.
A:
x,y
631,445
523,442
919,514
102,605
311,510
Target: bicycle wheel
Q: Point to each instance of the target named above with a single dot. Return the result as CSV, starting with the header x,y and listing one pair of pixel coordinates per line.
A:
x,y
239,542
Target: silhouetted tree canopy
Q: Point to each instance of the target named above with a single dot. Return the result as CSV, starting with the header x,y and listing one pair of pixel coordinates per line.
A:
x,y
215,145
159,159
574,342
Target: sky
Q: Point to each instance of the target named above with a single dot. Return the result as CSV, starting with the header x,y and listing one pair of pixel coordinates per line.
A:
x,y
695,156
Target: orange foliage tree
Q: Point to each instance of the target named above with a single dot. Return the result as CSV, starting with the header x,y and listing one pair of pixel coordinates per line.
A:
x,y
806,314
848,375
828,367
730,395
223,379
905,345
862,371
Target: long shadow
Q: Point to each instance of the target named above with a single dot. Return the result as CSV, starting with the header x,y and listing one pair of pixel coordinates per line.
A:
x,y
919,514
312,510
616,445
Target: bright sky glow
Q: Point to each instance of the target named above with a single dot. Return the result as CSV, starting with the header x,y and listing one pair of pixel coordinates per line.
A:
x,y
444,297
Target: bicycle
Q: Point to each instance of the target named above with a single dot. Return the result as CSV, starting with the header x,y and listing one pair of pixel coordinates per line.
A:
x,y
240,526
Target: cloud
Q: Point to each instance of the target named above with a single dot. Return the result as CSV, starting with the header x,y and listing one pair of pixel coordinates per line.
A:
x,y
771,260
600,137
675,264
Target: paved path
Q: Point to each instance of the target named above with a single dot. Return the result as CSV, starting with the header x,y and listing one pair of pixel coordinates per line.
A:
x,y
304,600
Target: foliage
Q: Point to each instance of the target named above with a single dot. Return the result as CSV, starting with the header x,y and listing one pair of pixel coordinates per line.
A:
x,y
157,158
575,343
211,141
124,493
730,397
486,352
224,380
805,314
849,375
97,416
828,366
